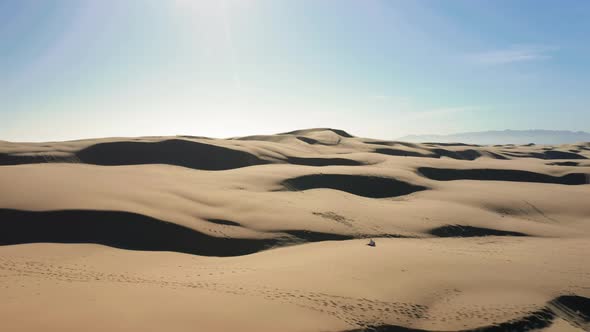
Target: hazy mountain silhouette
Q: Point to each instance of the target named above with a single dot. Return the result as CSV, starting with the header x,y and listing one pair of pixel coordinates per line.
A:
x,y
505,137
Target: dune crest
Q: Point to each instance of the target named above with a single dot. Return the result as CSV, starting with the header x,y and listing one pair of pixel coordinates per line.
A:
x,y
273,231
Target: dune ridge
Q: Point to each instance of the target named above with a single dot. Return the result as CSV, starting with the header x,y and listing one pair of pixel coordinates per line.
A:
x,y
133,231
367,186
441,174
574,309
198,152
275,229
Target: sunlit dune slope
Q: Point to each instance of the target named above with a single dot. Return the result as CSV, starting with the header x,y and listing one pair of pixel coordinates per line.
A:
x,y
180,233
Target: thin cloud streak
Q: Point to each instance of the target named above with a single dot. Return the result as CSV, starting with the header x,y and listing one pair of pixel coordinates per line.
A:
x,y
521,53
444,111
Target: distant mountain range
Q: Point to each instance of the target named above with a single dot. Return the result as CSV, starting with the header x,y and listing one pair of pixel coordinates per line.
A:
x,y
505,137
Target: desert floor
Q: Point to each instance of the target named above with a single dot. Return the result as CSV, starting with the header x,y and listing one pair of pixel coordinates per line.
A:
x,y
270,233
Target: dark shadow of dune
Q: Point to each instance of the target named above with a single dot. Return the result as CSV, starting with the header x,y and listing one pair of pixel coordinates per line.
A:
x,y
578,304
443,174
11,159
120,230
548,154
194,137
311,236
496,155
439,153
173,152
342,133
571,308
562,155
468,154
450,144
307,140
223,222
387,328
7,159
338,132
366,186
574,309
312,141
302,236
393,143
125,230
380,143
470,231
564,163
323,161
403,153
535,321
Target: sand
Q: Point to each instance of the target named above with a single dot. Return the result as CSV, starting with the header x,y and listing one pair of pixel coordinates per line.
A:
x,y
269,233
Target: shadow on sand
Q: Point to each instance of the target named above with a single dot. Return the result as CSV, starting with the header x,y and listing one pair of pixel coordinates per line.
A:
x,y
574,309
360,185
446,174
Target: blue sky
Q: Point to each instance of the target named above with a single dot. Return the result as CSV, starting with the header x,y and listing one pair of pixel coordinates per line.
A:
x,y
77,69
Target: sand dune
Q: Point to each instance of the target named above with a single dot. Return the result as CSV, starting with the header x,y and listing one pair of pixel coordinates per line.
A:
x,y
269,233
366,186
118,229
470,231
322,161
441,174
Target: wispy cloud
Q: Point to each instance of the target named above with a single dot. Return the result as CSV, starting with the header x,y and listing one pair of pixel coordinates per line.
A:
x,y
409,108
516,53
443,111
390,98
